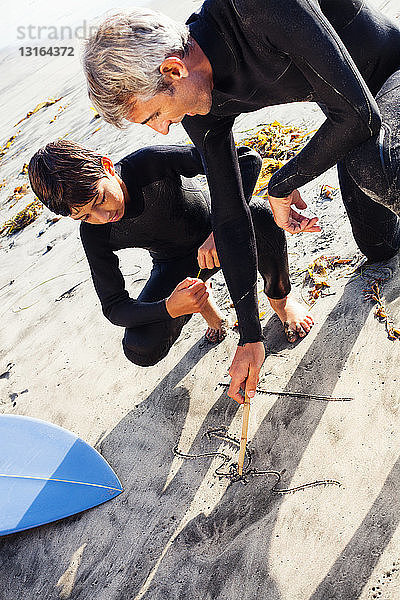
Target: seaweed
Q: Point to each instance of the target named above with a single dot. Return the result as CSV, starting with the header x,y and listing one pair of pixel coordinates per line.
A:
x,y
318,273
96,114
59,111
25,216
18,193
276,143
8,144
24,170
374,293
38,107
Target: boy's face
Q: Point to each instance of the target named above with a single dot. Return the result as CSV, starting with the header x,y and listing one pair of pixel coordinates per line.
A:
x,y
109,204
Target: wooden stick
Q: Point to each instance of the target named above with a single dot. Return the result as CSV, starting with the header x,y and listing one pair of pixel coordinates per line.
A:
x,y
243,437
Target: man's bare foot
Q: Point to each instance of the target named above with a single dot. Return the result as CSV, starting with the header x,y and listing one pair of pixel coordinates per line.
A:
x,y
217,326
296,319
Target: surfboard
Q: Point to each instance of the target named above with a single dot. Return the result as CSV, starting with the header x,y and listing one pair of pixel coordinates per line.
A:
x,y
48,473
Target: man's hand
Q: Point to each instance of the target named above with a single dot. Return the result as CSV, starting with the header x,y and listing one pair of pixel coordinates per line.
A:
x,y
245,370
189,296
290,220
207,254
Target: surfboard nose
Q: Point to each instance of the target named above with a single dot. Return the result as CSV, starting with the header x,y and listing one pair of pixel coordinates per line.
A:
x,y
48,473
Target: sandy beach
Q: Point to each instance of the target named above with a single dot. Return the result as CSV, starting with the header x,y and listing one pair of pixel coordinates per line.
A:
x,y
179,531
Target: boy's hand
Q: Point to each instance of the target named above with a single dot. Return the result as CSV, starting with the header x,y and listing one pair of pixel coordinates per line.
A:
x,y
189,296
207,254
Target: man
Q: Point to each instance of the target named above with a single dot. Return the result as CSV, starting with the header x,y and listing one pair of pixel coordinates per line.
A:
x,y
144,202
238,56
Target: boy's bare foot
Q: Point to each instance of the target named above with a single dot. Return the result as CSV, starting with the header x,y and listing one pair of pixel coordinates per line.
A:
x,y
217,326
296,319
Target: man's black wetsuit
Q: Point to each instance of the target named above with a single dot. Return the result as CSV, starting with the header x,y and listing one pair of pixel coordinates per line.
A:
x,y
170,216
338,53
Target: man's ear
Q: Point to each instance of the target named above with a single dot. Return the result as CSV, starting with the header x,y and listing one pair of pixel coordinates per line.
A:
x,y
173,68
108,165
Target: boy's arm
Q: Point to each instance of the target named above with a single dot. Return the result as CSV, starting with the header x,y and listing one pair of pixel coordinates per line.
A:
x,y
118,307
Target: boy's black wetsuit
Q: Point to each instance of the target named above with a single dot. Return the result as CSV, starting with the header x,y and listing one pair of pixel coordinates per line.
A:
x,y
338,53
170,217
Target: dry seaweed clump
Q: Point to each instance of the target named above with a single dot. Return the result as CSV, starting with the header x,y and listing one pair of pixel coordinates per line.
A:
x,y
38,107
22,219
374,293
276,143
96,115
318,273
18,193
9,142
59,111
327,192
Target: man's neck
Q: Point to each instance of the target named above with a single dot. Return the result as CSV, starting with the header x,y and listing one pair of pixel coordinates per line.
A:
x,y
197,61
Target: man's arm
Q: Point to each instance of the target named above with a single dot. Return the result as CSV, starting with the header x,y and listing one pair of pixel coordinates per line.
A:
x,y
235,242
299,29
250,164
231,221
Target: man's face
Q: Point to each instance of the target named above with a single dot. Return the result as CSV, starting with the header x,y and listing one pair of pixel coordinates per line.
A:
x,y
108,206
187,96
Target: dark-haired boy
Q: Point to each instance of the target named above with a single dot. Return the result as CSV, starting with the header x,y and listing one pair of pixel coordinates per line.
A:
x,y
147,200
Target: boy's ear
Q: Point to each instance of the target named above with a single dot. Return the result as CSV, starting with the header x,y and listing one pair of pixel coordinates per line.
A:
x,y
108,165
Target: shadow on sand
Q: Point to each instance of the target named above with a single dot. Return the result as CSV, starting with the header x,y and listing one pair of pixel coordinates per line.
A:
x,y
224,555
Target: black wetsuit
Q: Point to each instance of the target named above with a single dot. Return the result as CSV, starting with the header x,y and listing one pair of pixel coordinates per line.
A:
x,y
338,53
170,216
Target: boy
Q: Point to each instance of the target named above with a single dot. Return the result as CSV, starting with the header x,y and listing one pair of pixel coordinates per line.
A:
x,y
145,200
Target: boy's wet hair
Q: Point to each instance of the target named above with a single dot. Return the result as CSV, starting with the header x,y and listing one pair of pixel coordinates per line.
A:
x,y
63,175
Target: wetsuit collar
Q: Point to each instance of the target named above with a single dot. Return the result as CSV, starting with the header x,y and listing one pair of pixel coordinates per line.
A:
x,y
136,204
211,40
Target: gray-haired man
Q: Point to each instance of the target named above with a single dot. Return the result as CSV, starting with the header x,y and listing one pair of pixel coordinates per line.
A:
x,y
238,56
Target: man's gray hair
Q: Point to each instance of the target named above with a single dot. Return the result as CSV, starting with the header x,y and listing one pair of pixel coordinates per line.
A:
x,y
121,60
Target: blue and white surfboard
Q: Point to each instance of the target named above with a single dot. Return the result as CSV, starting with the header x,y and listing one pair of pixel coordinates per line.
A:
x,y
47,473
